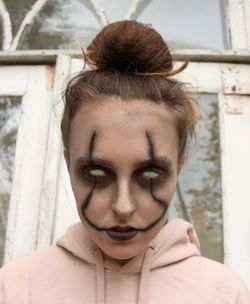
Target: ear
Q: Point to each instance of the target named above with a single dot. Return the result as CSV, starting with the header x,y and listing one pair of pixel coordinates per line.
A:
x,y
181,161
66,157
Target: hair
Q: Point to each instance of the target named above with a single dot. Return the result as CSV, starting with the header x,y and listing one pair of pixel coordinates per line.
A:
x,y
132,61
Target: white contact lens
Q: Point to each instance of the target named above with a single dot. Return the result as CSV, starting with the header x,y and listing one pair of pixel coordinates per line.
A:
x,y
97,172
150,174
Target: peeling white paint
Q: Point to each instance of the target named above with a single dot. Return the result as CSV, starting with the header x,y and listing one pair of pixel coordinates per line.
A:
x,y
100,12
28,19
238,23
6,23
132,9
10,43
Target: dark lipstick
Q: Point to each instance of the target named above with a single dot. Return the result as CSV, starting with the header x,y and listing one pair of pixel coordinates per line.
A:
x,y
119,233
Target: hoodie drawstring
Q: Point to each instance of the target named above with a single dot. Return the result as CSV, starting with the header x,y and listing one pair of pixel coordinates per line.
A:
x,y
147,261
100,280
145,270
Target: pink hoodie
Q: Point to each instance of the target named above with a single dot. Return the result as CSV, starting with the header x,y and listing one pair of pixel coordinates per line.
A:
x,y
170,270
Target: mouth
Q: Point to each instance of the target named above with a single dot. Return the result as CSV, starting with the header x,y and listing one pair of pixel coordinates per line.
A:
x,y
119,233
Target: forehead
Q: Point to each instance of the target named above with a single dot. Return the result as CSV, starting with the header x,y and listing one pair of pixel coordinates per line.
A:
x,y
121,125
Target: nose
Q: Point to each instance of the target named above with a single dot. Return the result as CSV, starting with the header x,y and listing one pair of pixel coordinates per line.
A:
x,y
123,205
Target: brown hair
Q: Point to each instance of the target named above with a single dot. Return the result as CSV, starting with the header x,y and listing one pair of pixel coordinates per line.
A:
x,y
130,60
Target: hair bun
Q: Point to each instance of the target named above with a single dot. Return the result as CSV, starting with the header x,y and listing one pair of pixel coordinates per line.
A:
x,y
129,46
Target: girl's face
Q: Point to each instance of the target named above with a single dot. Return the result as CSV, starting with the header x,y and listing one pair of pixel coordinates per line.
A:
x,y
123,165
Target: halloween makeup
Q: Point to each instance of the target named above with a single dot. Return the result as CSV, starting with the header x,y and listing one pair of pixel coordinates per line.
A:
x,y
117,232
123,166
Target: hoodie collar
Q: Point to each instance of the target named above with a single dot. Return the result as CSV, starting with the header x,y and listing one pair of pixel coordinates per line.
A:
x,y
176,241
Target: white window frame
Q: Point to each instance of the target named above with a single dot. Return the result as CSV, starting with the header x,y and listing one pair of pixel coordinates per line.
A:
x,y
29,82
50,202
231,84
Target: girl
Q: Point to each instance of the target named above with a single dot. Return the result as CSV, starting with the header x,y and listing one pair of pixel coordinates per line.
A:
x,y
125,129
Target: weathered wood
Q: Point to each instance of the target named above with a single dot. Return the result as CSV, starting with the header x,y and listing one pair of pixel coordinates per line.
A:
x,y
29,163
132,9
238,13
50,56
100,12
6,25
54,150
235,168
28,19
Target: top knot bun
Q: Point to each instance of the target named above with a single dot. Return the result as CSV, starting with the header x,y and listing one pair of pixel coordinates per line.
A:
x,y
129,46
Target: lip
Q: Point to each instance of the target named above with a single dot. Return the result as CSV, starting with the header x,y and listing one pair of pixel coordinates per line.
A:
x,y
119,233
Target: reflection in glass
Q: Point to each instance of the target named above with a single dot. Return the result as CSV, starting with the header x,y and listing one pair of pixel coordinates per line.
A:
x,y
191,24
60,23
17,11
187,24
10,111
198,196
116,12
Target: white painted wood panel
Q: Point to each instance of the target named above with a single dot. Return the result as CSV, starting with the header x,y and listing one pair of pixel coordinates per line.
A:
x,y
66,211
51,183
29,163
14,79
202,77
235,151
238,23
43,205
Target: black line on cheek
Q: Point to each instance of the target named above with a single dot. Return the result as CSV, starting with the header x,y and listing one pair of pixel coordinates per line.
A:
x,y
92,144
88,198
85,206
156,199
163,204
151,150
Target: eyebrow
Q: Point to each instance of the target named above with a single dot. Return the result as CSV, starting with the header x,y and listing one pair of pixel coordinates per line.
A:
x,y
91,145
157,161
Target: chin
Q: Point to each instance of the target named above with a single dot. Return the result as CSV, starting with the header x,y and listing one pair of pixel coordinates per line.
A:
x,y
123,252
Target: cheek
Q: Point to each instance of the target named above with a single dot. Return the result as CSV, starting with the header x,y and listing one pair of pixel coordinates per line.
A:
x,y
166,191
146,203
100,204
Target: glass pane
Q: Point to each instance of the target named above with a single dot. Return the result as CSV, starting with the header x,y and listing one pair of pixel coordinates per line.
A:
x,y
184,24
17,11
198,196
60,23
10,112
187,24
116,12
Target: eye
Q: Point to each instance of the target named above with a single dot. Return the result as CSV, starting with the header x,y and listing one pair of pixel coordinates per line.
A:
x,y
97,172
147,175
150,174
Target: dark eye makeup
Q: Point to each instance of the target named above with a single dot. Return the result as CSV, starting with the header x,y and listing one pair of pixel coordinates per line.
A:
x,y
97,173
143,175
151,174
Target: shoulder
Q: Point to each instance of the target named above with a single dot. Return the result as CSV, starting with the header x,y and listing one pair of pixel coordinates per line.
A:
x,y
19,265
17,271
226,283
26,261
15,276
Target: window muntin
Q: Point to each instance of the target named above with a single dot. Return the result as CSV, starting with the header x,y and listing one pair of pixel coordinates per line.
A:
x,y
189,24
